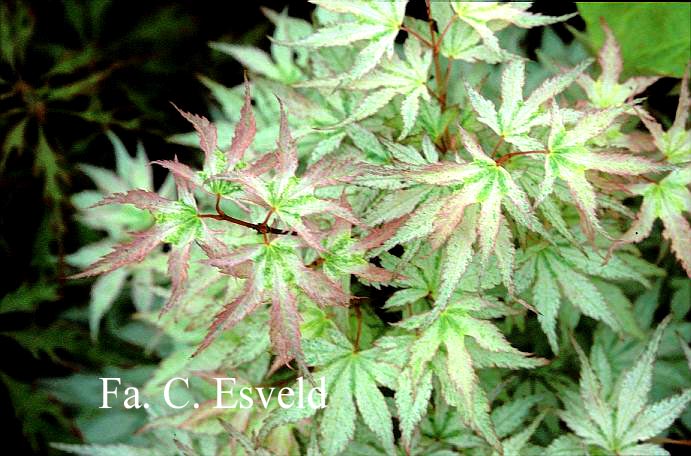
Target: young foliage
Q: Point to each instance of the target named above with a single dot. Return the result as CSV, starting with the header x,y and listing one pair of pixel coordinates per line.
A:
x,y
517,116
468,208
131,173
669,198
469,31
606,91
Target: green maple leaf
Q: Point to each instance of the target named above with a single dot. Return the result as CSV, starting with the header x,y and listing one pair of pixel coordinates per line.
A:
x,y
606,91
442,346
486,18
420,277
561,271
569,155
281,65
351,377
407,78
620,422
378,22
518,116
468,207
443,430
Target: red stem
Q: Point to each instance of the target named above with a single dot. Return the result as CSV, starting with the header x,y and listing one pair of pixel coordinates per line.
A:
x,y
446,29
412,32
496,147
358,315
506,157
262,228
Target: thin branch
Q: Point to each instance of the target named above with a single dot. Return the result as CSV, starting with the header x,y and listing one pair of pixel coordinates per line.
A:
x,y
358,315
437,68
496,147
265,224
659,440
443,33
440,79
422,39
505,158
433,93
262,228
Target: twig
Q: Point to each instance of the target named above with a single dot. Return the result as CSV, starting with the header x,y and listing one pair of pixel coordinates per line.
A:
x,y
262,228
443,33
505,158
496,147
422,39
358,315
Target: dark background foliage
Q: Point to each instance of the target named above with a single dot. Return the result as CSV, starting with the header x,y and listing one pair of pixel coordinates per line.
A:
x,y
121,62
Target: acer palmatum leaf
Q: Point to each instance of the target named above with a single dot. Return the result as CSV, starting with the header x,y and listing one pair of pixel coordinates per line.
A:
x,y
468,208
276,274
176,222
376,21
517,116
569,155
669,199
606,91
288,197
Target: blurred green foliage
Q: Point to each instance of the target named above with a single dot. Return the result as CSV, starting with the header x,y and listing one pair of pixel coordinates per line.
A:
x,y
655,37
64,72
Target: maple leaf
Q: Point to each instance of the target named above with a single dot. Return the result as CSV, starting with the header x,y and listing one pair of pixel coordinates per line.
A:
x,y
378,22
281,65
486,18
468,209
516,117
606,91
325,129
216,162
444,427
176,222
131,172
620,422
420,278
667,200
291,198
554,272
394,77
455,367
569,155
273,271
674,143
459,40
351,377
